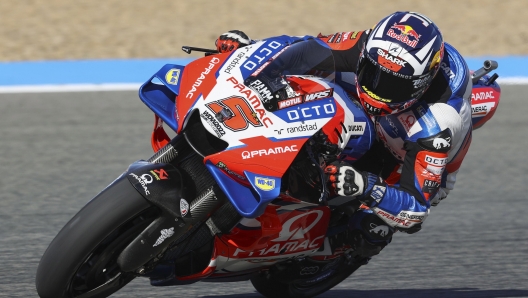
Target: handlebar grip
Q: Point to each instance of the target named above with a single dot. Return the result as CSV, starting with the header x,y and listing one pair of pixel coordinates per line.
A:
x,y
489,65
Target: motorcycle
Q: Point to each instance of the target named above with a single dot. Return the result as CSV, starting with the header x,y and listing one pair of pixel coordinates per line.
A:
x,y
239,193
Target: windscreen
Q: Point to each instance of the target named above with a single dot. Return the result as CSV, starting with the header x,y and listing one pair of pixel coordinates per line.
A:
x,y
307,57
311,57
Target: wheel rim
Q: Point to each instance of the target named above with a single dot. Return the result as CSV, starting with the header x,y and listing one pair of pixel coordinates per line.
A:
x,y
99,273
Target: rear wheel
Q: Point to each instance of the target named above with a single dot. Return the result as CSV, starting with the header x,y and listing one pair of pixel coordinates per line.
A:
x,y
81,260
329,276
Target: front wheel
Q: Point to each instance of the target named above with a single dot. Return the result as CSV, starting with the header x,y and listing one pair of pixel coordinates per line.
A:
x,y
81,260
326,277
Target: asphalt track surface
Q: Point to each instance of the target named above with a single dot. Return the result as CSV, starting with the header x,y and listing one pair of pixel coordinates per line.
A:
x,y
58,150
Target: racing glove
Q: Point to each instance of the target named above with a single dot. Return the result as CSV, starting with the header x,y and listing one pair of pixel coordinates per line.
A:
x,y
231,41
440,195
345,180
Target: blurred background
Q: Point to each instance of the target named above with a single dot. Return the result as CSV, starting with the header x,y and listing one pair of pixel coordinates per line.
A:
x,y
58,148
87,29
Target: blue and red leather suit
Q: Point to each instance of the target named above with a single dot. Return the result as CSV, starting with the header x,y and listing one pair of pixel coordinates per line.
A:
x,y
419,151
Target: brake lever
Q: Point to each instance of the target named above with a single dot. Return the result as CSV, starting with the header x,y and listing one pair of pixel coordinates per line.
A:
x,y
207,52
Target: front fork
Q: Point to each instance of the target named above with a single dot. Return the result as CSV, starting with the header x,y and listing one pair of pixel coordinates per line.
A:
x,y
182,209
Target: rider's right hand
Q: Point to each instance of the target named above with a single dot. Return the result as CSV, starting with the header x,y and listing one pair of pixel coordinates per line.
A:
x,y
231,41
345,180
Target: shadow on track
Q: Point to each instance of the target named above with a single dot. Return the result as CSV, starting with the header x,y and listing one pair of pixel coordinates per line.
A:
x,y
409,293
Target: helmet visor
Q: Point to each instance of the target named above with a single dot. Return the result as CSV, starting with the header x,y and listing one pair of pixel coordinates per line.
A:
x,y
387,86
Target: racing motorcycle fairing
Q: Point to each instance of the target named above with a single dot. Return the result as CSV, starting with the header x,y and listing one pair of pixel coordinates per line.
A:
x,y
162,185
224,97
288,228
249,201
160,91
198,80
485,99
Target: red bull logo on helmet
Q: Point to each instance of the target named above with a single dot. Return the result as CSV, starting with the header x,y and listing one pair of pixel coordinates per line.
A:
x,y
406,31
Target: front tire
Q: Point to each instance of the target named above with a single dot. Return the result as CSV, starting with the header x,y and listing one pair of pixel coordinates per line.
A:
x,y
81,260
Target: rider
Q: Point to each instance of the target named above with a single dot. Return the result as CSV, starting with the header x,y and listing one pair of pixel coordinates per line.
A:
x,y
416,88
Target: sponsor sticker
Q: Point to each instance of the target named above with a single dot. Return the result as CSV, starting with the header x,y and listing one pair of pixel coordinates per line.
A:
x,y
318,95
419,83
213,123
165,233
373,95
410,123
302,128
269,151
391,59
212,63
233,63
290,102
160,174
356,129
308,111
481,109
144,180
482,95
391,219
413,216
224,167
407,34
261,55
184,207
435,161
430,186
172,76
265,184
450,74
377,193
261,88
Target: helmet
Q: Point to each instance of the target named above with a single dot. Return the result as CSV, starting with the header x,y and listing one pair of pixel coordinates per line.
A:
x,y
398,61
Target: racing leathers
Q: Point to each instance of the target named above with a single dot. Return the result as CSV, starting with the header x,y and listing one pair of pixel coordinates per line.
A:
x,y
419,151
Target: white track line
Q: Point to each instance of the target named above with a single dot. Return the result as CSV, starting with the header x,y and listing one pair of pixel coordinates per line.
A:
x,y
69,88
513,81
135,86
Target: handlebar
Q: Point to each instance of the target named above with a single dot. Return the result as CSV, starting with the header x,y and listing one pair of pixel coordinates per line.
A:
x,y
489,65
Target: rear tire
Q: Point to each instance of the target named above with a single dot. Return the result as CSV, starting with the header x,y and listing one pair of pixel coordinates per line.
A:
x,y
274,287
81,260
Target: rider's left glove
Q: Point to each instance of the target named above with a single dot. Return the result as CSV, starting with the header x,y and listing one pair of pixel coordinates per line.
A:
x,y
231,41
345,180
